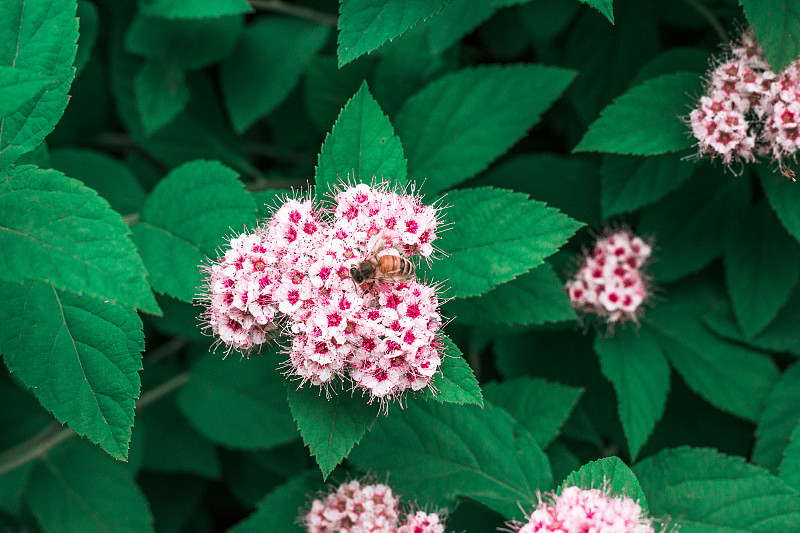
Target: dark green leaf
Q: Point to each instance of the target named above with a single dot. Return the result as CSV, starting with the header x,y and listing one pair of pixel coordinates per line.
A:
x,y
457,382
17,86
671,61
539,405
457,19
89,22
777,27
611,472
328,88
603,6
784,197
778,419
192,9
705,491
790,464
437,452
635,365
161,95
454,127
55,229
281,508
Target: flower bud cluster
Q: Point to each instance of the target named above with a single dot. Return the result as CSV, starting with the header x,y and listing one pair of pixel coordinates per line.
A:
x,y
748,110
610,283
362,508
294,273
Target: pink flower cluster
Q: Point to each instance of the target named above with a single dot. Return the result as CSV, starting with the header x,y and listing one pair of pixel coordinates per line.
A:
x,y
293,273
748,109
578,510
361,508
610,282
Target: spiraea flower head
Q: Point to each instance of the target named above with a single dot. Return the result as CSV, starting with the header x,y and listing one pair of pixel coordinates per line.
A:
x,y
379,333
610,281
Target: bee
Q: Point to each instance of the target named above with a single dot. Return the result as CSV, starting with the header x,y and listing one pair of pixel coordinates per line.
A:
x,y
788,173
388,268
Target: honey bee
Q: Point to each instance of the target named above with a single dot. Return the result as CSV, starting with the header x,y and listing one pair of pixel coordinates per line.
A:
x,y
388,268
788,173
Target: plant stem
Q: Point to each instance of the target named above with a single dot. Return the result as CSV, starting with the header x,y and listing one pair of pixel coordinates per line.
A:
x,y
289,8
710,17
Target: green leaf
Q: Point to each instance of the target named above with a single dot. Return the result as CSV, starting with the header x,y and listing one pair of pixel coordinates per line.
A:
x,y
611,472
37,36
437,452
689,226
777,27
454,127
630,182
731,377
361,146
646,120
457,19
193,9
536,297
759,284
784,197
364,25
603,6
70,490
55,229
330,427
539,405
186,44
456,383
635,365
238,403
495,236
281,508
17,86
12,488
778,419
174,237
266,65
81,359
161,95
705,491
790,464
112,179
89,22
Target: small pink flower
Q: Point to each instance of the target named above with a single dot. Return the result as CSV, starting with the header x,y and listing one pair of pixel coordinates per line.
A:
x,y
422,522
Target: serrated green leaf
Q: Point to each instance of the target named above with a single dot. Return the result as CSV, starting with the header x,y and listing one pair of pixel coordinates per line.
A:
x,y
438,452
539,405
70,490
455,20
238,403
193,9
705,491
784,197
778,419
634,363
81,359
89,22
610,472
174,237
536,297
777,27
361,146
790,464
186,44
364,25
495,236
456,383
646,120
605,7
281,508
630,182
17,86
112,179
731,377
161,95
689,225
759,284
55,229
454,127
266,65
37,36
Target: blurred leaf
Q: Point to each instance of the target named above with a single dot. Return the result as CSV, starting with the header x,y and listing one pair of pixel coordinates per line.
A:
x,y
784,197
603,6
191,9
539,405
180,319
328,88
646,120
364,25
455,126
81,359
89,27
608,470
759,284
266,64
634,363
790,463
174,237
361,147
56,229
13,485
457,19
545,19
672,61
330,427
37,36
495,236
778,419
173,498
457,382
17,86
76,488
281,508
251,475
161,95
777,27
438,452
705,491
